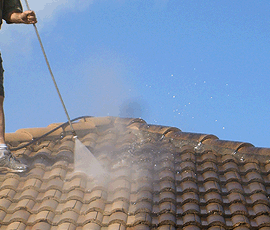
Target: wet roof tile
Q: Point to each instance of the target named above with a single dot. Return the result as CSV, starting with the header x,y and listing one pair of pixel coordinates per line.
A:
x,y
158,178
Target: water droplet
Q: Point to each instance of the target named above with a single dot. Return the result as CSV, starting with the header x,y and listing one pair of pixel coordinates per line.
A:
x,y
198,146
162,137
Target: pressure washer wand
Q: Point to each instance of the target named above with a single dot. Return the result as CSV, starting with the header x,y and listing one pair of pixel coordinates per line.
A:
x,y
50,70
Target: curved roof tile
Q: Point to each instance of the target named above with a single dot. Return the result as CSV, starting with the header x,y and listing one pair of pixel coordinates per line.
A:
x,y
158,178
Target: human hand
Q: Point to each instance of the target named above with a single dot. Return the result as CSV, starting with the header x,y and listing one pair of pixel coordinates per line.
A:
x,y
28,17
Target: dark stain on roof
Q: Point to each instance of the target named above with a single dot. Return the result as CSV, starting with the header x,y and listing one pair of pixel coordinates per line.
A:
x,y
158,178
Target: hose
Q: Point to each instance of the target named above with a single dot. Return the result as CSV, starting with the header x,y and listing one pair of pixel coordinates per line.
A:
x,y
48,133
51,73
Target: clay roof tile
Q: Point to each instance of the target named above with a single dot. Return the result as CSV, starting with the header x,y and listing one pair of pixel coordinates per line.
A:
x,y
159,178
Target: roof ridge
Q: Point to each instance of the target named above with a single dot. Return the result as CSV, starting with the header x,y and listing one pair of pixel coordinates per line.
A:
x,y
91,123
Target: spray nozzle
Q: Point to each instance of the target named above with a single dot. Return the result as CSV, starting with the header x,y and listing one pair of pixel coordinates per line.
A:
x,y
74,134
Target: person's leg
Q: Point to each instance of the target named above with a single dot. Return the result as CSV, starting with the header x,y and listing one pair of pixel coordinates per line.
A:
x,y
3,146
2,121
8,163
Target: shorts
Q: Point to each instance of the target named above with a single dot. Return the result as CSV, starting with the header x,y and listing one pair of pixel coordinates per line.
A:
x,y
1,78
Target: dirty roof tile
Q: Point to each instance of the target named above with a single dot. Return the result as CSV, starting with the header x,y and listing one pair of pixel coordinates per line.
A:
x,y
240,220
260,209
214,208
234,186
238,208
263,221
256,187
158,178
230,166
167,218
190,208
216,219
260,198
232,176
208,166
210,176
191,227
191,219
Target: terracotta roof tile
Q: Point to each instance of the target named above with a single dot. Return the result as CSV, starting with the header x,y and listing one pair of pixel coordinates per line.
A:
x,y
234,187
216,219
158,178
208,166
93,226
190,208
41,225
191,227
190,197
191,219
65,226
242,228
263,221
19,215
232,176
259,198
17,226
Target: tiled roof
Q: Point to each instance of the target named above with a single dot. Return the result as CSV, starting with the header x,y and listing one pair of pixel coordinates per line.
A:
x,y
158,178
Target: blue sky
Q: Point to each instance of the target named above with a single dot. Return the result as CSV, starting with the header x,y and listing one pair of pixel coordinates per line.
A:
x,y
201,66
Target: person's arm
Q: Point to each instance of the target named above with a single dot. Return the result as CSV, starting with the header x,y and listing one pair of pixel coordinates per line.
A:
x,y
26,17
